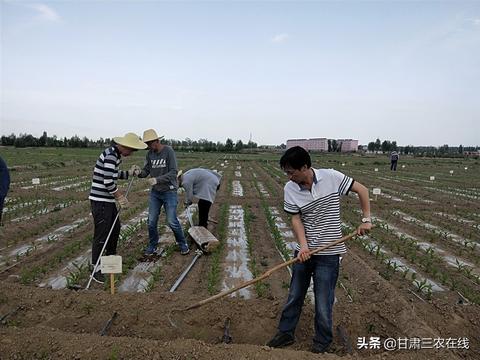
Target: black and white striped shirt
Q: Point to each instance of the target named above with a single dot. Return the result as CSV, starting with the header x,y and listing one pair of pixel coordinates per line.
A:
x,y
106,174
319,208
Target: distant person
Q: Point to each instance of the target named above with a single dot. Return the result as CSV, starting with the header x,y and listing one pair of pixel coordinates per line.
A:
x,y
104,192
393,160
4,185
203,185
161,165
312,198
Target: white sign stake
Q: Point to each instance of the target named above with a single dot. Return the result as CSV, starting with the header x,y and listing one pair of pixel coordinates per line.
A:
x,y
111,264
451,172
36,181
376,192
376,169
432,178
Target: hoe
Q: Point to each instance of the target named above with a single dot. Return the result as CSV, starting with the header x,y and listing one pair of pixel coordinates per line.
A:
x,y
257,279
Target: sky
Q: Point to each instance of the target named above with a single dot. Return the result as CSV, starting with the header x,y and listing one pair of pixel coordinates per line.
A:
x,y
402,71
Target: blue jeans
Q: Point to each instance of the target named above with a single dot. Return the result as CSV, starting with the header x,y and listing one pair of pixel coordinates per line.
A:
x,y
324,269
168,200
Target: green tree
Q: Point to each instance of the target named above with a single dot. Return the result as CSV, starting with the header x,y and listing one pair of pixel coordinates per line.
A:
x,y
334,145
386,146
229,145
371,146
239,145
43,139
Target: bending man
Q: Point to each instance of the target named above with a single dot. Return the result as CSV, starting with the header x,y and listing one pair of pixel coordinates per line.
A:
x,y
202,184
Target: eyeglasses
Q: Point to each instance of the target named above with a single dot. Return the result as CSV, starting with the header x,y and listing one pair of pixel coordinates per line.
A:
x,y
290,172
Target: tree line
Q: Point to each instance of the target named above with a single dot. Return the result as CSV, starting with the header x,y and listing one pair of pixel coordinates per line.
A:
x,y
388,146
28,140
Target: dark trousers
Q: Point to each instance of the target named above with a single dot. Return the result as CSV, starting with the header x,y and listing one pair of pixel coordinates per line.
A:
x,y
393,165
324,270
203,210
104,213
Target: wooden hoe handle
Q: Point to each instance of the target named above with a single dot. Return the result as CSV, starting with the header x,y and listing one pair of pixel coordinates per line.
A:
x,y
267,273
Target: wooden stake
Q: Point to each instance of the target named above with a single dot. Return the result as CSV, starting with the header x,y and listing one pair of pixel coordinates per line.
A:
x,y
112,284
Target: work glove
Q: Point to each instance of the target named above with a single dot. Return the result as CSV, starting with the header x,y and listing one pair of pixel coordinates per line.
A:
x,y
134,170
152,181
180,190
122,201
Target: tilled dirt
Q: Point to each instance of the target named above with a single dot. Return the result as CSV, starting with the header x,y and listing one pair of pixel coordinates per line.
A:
x,y
64,324
68,324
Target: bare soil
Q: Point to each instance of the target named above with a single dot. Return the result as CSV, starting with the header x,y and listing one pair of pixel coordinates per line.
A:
x,y
39,323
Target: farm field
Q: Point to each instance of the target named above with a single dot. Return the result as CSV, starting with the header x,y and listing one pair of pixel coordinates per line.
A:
x,y
415,279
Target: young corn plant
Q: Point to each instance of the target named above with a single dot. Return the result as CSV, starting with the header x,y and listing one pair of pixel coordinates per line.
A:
x,y
423,286
277,236
74,277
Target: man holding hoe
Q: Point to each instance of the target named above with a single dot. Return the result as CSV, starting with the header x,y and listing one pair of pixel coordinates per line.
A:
x,y
312,197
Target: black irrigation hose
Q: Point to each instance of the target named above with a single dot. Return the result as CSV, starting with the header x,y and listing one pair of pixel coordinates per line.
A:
x,y
13,312
108,324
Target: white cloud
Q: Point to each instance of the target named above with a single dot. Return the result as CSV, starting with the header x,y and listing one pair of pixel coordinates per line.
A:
x,y
280,38
476,21
45,12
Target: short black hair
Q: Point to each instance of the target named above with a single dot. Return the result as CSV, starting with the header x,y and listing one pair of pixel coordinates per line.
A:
x,y
295,157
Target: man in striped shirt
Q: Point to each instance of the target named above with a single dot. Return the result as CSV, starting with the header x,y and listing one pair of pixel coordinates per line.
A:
x,y
312,197
104,192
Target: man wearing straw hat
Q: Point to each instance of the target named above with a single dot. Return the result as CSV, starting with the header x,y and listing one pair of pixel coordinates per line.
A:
x,y
312,197
104,192
161,165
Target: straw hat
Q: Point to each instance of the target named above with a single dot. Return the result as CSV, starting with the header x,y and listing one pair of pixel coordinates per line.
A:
x,y
131,141
150,135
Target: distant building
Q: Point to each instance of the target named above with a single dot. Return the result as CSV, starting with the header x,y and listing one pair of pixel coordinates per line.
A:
x,y
348,145
321,144
297,142
315,144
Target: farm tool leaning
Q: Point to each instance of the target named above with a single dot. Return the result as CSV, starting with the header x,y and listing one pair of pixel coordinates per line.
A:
x,y
205,241
108,237
257,279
